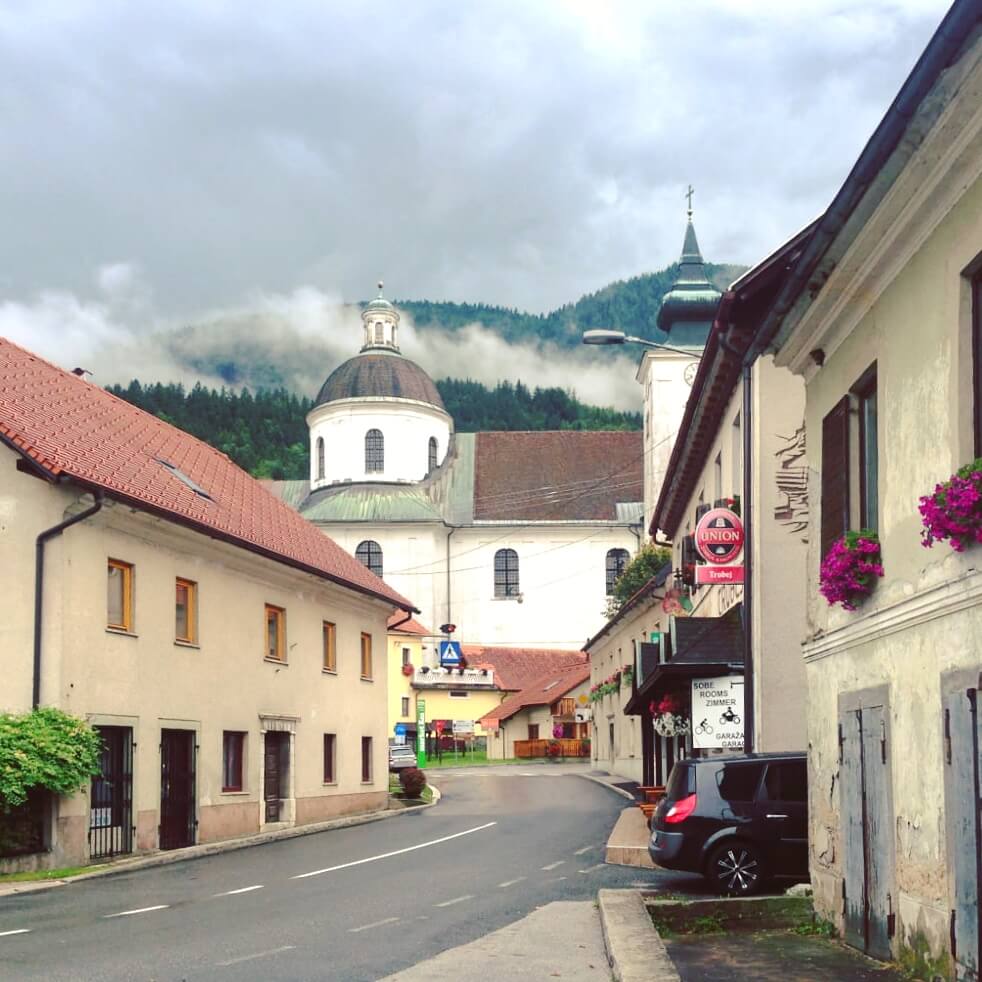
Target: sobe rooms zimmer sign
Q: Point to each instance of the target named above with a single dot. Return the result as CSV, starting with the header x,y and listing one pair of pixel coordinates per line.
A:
x,y
717,713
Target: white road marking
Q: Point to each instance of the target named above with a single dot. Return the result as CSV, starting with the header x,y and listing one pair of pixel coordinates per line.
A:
x,y
139,910
591,869
20,930
232,893
396,852
511,883
579,852
558,879
259,954
456,900
365,927
553,865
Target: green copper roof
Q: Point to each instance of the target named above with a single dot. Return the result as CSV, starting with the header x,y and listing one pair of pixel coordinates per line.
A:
x,y
692,297
370,503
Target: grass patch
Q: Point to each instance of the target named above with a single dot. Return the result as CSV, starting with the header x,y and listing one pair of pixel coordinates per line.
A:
x,y
478,758
817,928
48,874
395,791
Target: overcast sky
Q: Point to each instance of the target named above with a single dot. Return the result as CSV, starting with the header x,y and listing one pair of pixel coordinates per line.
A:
x,y
161,161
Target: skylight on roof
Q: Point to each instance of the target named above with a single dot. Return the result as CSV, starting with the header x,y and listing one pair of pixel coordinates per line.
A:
x,y
181,476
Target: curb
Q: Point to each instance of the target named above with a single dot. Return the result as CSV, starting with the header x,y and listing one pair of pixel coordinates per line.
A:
x,y
635,950
214,848
599,780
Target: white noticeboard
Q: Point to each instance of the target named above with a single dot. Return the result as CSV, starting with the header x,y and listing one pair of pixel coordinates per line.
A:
x,y
463,727
717,713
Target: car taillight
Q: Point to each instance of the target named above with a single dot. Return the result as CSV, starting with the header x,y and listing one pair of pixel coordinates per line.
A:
x,y
681,810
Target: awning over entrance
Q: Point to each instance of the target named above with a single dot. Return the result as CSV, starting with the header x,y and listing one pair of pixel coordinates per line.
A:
x,y
696,647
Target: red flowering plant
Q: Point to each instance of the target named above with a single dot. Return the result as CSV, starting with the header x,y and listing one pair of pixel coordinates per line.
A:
x,y
954,510
850,569
627,675
668,715
553,749
407,669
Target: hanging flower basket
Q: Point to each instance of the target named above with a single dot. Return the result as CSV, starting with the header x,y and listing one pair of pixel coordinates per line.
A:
x,y
850,569
627,676
954,510
407,670
670,725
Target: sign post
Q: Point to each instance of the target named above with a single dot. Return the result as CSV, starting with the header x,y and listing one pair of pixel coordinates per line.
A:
x,y
420,733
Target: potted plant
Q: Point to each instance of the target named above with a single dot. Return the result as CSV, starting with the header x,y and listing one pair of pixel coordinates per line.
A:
x,y
553,750
627,676
407,669
954,510
668,716
850,569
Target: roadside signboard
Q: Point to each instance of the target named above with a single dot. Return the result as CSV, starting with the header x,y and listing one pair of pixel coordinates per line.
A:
x,y
438,726
717,713
400,734
450,654
583,714
463,727
719,536
420,733
709,575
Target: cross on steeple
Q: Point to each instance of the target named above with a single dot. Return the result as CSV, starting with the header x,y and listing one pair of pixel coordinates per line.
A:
x,y
688,195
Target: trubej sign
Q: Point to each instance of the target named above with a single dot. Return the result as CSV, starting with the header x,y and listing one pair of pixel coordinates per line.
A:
x,y
719,540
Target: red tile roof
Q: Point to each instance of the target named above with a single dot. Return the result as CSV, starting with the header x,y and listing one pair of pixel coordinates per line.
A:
x,y
543,691
412,626
515,668
560,475
69,427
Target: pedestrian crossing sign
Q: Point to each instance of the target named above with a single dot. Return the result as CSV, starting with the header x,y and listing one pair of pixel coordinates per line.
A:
x,y
450,654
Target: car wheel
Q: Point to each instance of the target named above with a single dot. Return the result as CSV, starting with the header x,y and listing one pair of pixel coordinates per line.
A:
x,y
736,869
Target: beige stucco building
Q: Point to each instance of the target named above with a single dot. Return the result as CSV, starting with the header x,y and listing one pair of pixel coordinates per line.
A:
x,y
231,656
883,324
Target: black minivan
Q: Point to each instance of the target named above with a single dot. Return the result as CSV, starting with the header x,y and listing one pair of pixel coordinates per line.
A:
x,y
737,820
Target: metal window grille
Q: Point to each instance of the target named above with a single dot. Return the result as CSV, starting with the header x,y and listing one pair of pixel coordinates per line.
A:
x,y
506,573
320,458
431,463
617,560
111,795
374,452
369,553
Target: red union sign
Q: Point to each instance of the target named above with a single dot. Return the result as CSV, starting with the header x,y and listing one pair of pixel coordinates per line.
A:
x,y
710,575
719,536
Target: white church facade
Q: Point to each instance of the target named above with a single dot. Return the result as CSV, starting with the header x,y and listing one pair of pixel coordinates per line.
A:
x,y
514,537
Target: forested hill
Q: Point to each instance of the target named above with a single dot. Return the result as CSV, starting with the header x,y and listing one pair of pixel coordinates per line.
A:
x,y
266,433
626,305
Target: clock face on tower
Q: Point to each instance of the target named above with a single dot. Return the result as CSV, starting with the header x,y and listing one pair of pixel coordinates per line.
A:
x,y
690,372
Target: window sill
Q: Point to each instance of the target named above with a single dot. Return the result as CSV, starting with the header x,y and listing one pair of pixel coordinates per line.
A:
x,y
282,662
235,794
329,784
178,643
121,631
367,678
367,784
512,599
329,671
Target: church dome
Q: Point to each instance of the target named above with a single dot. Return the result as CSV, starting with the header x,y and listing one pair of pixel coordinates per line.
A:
x,y
379,375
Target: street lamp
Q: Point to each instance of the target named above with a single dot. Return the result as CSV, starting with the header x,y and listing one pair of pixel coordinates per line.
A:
x,y
604,336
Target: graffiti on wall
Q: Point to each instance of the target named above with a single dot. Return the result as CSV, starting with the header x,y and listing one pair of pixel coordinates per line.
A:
x,y
791,478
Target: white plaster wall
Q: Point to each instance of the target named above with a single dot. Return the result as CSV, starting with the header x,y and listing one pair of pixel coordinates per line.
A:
x,y
405,424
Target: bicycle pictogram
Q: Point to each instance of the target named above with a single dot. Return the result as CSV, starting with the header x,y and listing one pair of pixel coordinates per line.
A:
x,y
705,728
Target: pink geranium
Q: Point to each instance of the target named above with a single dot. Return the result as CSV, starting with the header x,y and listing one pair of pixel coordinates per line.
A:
x,y
850,569
954,510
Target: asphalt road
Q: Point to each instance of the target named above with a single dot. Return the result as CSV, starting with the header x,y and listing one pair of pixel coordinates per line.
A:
x,y
351,904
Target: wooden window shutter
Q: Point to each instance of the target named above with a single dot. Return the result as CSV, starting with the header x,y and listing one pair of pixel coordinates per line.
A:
x,y
835,474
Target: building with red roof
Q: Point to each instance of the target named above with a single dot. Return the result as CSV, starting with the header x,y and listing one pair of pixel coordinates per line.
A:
x,y
229,653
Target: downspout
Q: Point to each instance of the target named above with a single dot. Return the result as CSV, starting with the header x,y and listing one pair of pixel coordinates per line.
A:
x,y
449,620
748,566
39,582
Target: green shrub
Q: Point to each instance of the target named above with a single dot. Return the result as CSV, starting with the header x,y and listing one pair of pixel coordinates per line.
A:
x,y
413,780
46,749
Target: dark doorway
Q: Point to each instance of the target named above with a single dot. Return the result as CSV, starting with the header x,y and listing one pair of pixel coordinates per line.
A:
x,y
867,828
610,729
963,828
111,796
276,758
177,819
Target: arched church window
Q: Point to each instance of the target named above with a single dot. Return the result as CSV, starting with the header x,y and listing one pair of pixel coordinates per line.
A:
x,y
374,452
617,560
320,458
506,573
431,462
369,553
379,332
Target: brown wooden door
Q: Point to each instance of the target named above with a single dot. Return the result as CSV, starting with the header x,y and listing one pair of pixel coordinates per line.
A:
x,y
273,779
177,800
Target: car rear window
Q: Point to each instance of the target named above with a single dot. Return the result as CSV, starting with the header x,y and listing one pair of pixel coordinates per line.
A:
x,y
787,781
681,782
738,781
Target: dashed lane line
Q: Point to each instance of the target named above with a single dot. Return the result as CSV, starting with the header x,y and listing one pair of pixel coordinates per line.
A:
x,y
139,910
395,852
365,927
20,930
553,865
592,869
456,900
232,893
258,954
579,852
511,883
